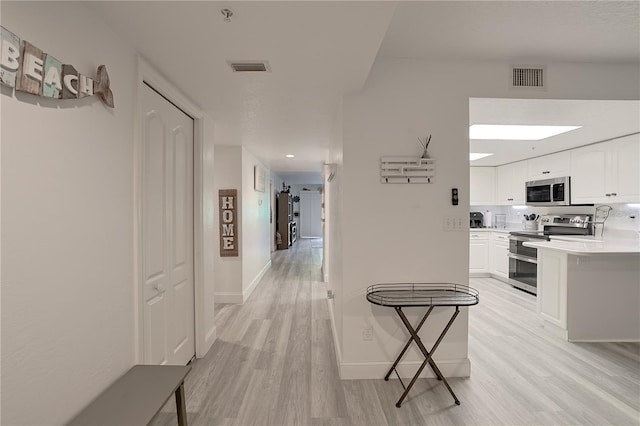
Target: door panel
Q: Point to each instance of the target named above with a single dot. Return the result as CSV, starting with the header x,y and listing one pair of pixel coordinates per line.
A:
x,y
167,232
154,221
155,338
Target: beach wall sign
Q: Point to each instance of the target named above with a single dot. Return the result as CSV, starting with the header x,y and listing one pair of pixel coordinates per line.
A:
x,y
28,69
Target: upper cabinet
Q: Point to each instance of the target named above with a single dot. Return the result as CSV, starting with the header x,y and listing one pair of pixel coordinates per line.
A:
x,y
510,187
482,186
606,172
550,166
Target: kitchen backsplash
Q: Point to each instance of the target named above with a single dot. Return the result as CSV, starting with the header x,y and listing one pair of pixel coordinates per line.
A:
x,y
623,221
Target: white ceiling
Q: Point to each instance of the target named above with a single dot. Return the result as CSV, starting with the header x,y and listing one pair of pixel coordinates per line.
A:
x,y
600,120
315,51
321,50
583,31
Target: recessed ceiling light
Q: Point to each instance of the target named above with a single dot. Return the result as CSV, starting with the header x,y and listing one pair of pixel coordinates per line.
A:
x,y
473,156
516,132
289,155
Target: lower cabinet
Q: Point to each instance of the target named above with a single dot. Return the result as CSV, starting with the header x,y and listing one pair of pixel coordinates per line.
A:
x,y
499,254
478,252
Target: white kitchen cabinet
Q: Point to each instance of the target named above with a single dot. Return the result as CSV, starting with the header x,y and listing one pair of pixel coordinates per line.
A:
x,y
482,186
552,288
606,172
550,166
624,178
478,252
511,179
499,254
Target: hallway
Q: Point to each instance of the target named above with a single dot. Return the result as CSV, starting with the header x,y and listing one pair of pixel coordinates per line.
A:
x,y
274,364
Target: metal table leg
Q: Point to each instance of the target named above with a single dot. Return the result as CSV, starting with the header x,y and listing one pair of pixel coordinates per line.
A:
x,y
427,354
395,364
181,405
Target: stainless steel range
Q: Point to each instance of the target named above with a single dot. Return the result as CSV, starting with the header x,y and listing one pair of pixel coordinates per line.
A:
x,y
523,261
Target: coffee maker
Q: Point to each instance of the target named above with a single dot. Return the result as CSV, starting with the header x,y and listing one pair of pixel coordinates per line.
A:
x,y
475,220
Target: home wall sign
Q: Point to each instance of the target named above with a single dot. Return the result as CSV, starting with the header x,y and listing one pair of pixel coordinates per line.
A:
x,y
28,69
227,199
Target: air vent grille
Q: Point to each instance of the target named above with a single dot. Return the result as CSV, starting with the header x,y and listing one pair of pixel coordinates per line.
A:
x,y
250,66
527,77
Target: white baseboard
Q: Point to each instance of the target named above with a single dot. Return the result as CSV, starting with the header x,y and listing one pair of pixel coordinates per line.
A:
x,y
254,283
211,337
334,331
406,369
228,297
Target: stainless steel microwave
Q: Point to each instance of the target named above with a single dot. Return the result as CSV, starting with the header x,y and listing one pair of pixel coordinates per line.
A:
x,y
549,192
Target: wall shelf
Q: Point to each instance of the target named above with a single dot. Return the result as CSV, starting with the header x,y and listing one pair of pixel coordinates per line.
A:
x,y
407,170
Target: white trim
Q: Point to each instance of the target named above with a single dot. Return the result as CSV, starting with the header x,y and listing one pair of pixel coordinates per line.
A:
x,y
334,331
406,369
228,297
146,73
247,292
211,337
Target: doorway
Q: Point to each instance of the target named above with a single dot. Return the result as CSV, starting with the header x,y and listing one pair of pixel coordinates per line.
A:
x,y
310,214
167,231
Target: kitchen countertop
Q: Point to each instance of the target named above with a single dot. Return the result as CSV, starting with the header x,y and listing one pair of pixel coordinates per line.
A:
x,y
502,231
588,246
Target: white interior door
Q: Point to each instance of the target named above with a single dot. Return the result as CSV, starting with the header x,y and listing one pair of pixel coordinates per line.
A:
x,y
310,214
167,232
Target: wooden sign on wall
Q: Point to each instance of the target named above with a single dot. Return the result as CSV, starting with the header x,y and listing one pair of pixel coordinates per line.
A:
x,y
227,200
28,69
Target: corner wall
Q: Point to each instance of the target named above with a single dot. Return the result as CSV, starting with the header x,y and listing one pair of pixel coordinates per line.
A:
x,y
237,277
256,229
67,223
394,233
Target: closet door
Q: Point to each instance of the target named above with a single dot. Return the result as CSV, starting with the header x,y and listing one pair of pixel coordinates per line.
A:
x,y
310,214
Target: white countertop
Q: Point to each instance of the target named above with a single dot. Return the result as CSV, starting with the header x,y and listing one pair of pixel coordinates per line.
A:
x,y
502,231
587,246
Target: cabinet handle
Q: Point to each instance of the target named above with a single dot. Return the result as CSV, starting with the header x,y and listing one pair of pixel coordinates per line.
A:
x,y
509,199
613,194
546,172
607,195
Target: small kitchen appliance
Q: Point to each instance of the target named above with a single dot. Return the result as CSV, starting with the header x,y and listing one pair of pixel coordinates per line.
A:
x,y
475,220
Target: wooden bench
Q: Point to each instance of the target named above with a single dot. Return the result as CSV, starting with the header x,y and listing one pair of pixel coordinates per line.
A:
x,y
137,396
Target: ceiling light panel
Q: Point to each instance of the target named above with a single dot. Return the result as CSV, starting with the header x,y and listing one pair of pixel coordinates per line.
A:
x,y
516,132
473,156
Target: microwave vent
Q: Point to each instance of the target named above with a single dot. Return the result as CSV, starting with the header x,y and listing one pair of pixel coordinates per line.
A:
x,y
527,77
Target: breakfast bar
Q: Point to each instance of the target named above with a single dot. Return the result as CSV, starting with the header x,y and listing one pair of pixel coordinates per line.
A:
x,y
589,290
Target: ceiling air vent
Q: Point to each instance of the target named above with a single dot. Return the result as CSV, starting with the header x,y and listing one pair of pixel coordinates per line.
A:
x,y
527,77
255,66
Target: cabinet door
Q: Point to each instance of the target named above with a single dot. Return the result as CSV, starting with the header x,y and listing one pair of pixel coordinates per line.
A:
x,y
511,179
503,185
588,175
550,166
482,186
623,173
499,254
518,180
478,253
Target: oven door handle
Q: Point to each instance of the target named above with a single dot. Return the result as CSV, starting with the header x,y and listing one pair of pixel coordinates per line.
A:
x,y
523,258
525,239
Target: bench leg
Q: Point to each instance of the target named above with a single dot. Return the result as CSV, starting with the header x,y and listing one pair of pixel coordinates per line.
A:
x,y
181,405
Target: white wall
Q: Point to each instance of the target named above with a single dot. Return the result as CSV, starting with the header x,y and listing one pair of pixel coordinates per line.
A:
x,y
237,277
210,245
67,216
228,270
256,252
394,233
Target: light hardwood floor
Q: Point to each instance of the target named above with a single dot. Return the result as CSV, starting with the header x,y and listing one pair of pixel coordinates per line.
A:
x,y
274,364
